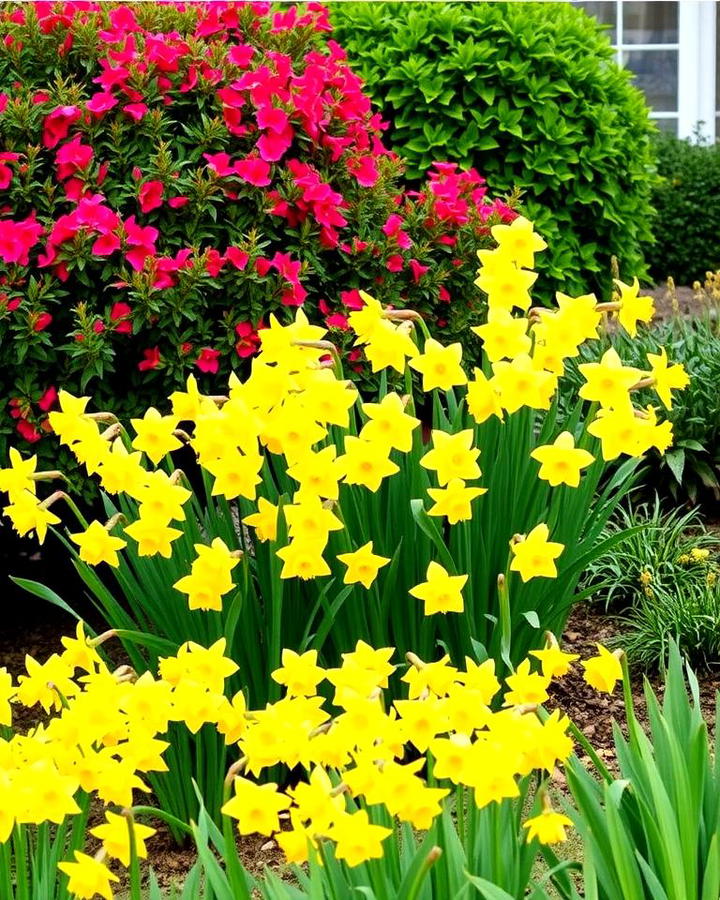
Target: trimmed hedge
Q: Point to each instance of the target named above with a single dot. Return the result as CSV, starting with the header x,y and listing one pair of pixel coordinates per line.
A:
x,y
687,199
530,94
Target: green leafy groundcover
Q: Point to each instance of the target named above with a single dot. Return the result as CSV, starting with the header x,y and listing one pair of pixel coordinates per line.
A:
x,y
530,94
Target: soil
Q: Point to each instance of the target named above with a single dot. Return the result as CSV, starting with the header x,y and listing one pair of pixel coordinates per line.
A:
x,y
594,712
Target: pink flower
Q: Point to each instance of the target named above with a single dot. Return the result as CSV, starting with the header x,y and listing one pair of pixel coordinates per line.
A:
x,y
41,321
418,270
219,163
443,294
337,320
208,361
17,238
48,399
178,202
57,124
151,359
215,263
253,170
150,195
28,431
240,55
248,339
101,102
352,299
365,170
273,146
272,119
141,240
72,157
262,266
120,313
106,245
394,263
239,258
136,111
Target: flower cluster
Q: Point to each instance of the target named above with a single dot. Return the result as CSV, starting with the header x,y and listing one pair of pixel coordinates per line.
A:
x,y
191,171
104,732
299,454
102,737
528,354
451,724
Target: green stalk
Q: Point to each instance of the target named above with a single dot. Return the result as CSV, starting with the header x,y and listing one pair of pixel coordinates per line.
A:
x,y
22,887
134,861
429,861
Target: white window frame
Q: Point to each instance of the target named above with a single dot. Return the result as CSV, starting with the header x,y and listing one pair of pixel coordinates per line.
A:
x,y
696,67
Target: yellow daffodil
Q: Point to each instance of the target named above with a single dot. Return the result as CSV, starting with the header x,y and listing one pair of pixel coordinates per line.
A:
x,y
442,592
454,501
534,556
519,241
548,827
88,877
633,309
452,456
155,435
561,462
666,378
604,670
362,565
98,545
440,366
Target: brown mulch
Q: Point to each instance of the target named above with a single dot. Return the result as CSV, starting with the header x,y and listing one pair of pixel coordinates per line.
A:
x,y
687,302
593,712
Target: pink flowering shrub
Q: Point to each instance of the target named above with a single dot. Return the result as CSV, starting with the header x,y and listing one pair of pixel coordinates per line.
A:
x,y
171,174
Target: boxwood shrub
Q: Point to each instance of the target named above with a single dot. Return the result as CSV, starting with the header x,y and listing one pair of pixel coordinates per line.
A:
x,y
530,94
687,200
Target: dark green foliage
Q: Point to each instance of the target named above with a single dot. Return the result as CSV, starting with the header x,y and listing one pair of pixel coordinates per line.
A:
x,y
529,94
687,200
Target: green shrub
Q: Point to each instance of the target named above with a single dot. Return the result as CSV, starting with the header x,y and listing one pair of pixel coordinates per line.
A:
x,y
687,200
529,93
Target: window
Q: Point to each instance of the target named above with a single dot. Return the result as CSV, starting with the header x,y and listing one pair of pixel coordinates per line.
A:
x,y
672,48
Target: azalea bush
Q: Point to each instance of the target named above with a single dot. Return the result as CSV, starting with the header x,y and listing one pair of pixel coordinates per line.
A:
x,y
531,94
316,517
171,174
374,801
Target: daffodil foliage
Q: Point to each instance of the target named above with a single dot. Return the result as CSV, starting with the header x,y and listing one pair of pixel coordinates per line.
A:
x,y
367,772
456,516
